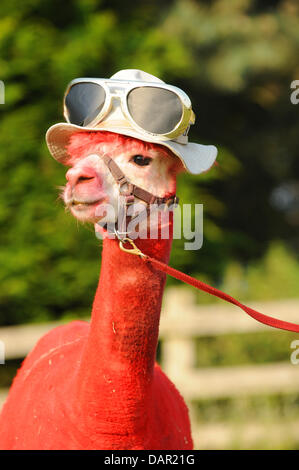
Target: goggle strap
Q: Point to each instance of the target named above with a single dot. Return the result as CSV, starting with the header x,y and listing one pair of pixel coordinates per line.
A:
x,y
182,139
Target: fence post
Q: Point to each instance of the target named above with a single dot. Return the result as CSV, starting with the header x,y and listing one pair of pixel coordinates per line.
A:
x,y
178,352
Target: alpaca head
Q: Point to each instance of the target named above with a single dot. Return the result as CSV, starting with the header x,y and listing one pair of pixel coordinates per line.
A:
x,y
101,114
90,183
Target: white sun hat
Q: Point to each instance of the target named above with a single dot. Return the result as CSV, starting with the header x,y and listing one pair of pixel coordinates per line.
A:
x,y
196,158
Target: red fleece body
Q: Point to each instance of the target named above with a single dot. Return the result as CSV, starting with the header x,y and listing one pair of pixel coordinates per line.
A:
x,y
97,386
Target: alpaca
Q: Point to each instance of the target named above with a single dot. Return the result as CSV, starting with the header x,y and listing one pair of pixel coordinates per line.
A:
x,y
97,386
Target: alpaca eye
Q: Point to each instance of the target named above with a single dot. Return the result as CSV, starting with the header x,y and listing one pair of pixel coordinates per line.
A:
x,y
140,160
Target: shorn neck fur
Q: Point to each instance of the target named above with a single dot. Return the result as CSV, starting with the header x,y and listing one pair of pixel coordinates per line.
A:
x,y
117,369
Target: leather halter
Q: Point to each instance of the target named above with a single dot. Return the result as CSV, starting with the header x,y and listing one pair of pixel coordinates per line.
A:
x,y
129,191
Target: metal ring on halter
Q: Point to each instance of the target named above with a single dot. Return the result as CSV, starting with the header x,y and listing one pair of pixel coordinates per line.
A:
x,y
128,191
119,235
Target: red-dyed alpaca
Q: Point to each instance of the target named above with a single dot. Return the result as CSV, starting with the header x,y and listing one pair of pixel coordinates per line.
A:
x,y
97,386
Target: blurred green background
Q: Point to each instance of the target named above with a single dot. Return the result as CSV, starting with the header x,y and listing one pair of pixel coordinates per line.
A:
x,y
236,59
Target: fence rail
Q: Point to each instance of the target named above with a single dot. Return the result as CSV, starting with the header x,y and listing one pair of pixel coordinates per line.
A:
x,y
183,321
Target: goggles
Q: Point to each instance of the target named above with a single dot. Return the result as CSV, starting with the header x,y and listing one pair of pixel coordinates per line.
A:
x,y
156,109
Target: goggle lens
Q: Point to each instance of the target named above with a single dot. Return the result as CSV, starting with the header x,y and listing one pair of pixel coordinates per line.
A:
x,y
154,109
84,102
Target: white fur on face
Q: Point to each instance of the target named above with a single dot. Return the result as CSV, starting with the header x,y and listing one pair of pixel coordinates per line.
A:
x,y
91,184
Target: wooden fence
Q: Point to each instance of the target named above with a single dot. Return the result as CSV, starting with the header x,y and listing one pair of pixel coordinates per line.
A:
x,y
183,321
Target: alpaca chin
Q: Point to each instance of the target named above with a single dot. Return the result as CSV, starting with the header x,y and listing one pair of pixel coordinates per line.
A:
x,y
87,212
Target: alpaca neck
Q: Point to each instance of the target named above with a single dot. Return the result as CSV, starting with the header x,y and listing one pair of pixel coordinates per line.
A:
x,y
116,371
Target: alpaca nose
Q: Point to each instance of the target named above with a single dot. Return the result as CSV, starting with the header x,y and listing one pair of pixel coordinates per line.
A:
x,y
79,175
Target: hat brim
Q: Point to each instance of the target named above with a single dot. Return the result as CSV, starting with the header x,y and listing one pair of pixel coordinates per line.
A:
x,y
196,158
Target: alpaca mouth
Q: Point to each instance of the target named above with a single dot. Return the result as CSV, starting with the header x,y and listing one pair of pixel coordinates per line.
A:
x,y
82,204
77,203
85,210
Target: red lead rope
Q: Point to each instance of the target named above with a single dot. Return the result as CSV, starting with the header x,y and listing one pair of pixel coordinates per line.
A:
x,y
270,321
274,322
